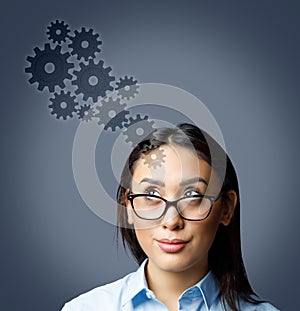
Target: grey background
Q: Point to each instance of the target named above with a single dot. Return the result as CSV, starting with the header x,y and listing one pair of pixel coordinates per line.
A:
x,y
241,58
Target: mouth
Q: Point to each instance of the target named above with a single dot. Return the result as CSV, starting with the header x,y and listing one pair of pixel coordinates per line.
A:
x,y
171,245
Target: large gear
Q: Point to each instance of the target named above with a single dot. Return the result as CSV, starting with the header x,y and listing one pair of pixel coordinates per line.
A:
x,y
93,80
137,128
112,114
58,31
85,113
59,67
63,105
127,87
154,158
85,44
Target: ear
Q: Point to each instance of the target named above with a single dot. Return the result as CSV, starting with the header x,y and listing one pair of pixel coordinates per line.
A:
x,y
128,209
229,204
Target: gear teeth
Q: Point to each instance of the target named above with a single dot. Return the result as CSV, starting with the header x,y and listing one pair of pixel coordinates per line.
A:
x,y
70,105
85,36
39,73
155,158
117,121
104,116
58,32
30,59
103,80
135,124
127,88
85,113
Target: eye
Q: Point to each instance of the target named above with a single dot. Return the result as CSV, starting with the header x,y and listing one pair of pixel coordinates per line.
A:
x,y
191,192
152,191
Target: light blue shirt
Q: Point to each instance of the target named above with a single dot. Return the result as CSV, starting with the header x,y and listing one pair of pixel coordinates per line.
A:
x,y
132,293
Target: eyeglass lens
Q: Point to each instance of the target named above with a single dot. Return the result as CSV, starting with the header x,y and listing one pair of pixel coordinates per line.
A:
x,y
193,208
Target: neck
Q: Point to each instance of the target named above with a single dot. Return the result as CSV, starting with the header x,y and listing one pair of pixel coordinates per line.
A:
x,y
168,285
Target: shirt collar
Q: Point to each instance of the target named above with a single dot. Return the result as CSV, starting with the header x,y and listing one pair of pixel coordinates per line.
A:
x,y
135,284
208,287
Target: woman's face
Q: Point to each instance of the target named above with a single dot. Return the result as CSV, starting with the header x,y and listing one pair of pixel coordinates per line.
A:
x,y
172,243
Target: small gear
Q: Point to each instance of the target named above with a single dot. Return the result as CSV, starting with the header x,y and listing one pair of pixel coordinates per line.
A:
x,y
127,88
49,67
137,128
112,114
154,158
85,112
85,44
58,31
63,105
93,80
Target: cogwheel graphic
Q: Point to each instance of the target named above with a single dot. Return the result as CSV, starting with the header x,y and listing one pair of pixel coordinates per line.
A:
x,y
137,128
85,44
85,112
155,158
111,113
63,105
93,80
127,88
49,67
58,31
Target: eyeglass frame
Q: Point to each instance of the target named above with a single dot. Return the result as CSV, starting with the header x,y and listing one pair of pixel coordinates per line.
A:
x,y
212,199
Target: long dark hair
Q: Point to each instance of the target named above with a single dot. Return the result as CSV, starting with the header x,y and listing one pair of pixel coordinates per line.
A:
x,y
225,257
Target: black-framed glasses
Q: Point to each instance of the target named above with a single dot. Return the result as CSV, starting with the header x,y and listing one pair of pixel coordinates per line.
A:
x,y
152,207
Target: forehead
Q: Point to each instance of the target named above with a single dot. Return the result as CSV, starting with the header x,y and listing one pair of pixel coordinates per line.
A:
x,y
171,163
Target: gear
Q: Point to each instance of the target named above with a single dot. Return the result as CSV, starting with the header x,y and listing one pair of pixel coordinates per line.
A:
x,y
111,113
137,128
63,105
93,80
127,88
85,44
58,31
155,158
85,113
57,64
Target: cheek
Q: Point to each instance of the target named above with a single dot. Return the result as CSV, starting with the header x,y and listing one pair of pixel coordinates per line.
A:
x,y
144,230
205,232
142,224
145,237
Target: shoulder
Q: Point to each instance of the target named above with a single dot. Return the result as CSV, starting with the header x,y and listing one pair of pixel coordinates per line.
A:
x,y
264,306
246,306
106,297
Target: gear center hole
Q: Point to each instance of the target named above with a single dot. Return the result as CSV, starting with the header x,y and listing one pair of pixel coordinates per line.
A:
x,y
58,32
153,157
93,80
49,68
63,105
139,131
85,44
112,114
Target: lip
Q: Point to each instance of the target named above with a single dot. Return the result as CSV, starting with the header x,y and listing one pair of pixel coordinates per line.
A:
x,y
171,245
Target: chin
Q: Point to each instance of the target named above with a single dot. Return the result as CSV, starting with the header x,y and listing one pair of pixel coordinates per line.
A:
x,y
173,264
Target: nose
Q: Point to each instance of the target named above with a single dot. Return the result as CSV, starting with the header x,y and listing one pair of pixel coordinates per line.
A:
x,y
172,220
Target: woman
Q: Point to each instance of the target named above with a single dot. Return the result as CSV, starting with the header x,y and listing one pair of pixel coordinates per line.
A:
x,y
178,212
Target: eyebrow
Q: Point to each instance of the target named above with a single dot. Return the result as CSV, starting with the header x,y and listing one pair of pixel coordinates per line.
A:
x,y
153,182
183,183
193,181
